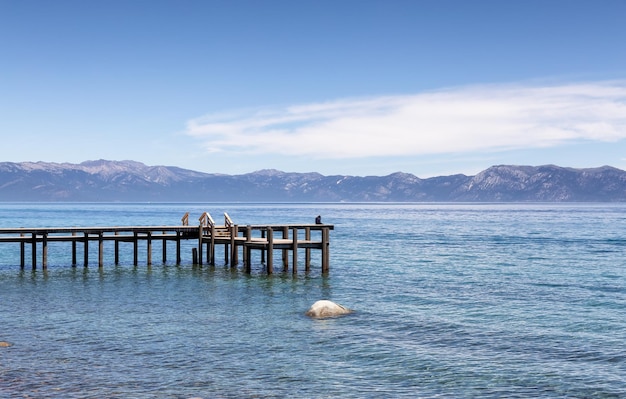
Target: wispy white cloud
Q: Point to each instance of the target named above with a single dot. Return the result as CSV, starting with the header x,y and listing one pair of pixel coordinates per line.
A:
x,y
458,120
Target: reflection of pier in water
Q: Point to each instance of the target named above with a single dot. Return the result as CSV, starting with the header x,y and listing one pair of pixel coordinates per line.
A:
x,y
233,238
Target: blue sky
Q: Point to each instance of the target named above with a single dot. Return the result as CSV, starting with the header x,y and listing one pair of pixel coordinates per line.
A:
x,y
338,87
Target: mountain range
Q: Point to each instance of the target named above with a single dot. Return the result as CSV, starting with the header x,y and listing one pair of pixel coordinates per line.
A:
x,y
130,181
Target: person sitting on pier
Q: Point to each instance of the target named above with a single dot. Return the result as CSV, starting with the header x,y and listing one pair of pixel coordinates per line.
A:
x,y
318,219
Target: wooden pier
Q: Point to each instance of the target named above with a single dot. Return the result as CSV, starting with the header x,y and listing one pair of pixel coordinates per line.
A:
x,y
233,238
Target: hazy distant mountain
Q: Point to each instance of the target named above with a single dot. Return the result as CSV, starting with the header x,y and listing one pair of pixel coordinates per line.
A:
x,y
133,181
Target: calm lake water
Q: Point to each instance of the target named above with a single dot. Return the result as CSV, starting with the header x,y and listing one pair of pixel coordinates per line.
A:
x,y
451,300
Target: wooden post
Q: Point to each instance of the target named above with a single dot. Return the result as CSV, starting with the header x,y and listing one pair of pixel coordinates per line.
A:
x,y
135,249
73,249
44,251
194,256
294,265
307,255
285,251
234,255
117,249
211,251
270,250
149,245
325,249
100,250
200,233
263,251
164,249
226,253
86,250
22,253
247,252
178,248
34,250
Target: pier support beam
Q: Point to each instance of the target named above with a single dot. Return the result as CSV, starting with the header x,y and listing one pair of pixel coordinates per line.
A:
x,y
263,235
211,250
74,262
325,250
149,249
294,250
44,251
22,252
34,250
200,243
100,250
270,250
135,249
247,251
234,254
178,259
117,249
164,249
307,251
226,251
86,250
285,251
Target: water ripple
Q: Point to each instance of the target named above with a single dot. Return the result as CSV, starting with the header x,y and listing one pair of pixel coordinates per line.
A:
x,y
458,300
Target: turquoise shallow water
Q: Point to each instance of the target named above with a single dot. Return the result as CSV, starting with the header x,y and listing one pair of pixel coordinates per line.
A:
x,y
451,300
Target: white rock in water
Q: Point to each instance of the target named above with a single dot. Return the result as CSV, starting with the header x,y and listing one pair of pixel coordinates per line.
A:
x,y
325,308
